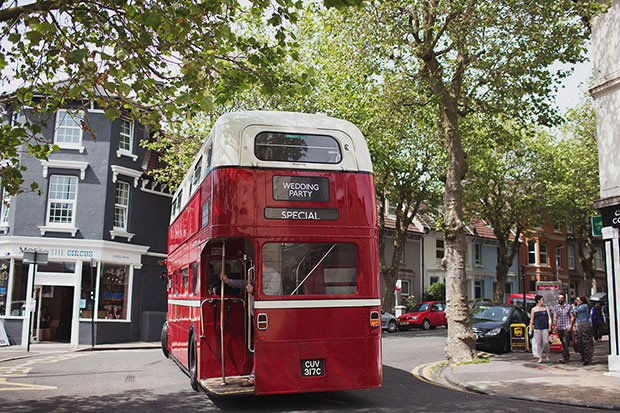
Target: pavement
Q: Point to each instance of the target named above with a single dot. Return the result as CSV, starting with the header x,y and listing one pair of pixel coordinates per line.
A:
x,y
519,376
19,352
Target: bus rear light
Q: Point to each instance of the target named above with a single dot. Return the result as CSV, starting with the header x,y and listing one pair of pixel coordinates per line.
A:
x,y
374,319
262,322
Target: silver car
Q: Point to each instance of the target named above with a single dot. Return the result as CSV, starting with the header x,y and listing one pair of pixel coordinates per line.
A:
x,y
388,322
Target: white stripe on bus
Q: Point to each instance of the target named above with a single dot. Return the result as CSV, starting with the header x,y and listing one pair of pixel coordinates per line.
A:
x,y
265,305
185,303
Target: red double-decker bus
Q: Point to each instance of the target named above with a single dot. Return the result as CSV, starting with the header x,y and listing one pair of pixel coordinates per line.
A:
x,y
286,203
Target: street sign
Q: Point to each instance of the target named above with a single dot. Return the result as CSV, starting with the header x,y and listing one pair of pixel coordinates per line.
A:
x,y
35,257
597,226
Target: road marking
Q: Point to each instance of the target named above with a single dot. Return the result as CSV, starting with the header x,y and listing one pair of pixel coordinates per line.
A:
x,y
6,386
23,369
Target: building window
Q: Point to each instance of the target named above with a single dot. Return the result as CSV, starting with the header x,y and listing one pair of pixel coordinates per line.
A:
x,y
439,248
569,228
125,142
477,254
434,280
121,205
508,289
557,228
543,253
570,257
17,300
478,288
598,259
404,288
532,286
113,292
5,207
558,256
89,275
69,129
531,252
61,200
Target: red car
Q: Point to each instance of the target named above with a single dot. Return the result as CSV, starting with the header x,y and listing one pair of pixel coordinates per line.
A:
x,y
426,315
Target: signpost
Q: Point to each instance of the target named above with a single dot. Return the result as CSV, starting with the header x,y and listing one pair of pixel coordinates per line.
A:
x,y
518,337
597,226
33,258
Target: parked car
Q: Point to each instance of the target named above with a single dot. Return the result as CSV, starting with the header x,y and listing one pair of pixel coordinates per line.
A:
x,y
517,299
425,315
491,325
388,322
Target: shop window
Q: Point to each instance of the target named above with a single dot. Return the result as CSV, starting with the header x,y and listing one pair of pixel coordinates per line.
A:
x,y
5,265
194,268
88,285
113,292
18,293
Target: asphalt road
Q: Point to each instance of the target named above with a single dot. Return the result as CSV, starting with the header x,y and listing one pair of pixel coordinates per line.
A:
x,y
143,380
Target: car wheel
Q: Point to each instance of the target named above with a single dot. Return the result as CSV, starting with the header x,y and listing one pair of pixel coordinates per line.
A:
x,y
164,340
391,326
193,363
506,348
426,325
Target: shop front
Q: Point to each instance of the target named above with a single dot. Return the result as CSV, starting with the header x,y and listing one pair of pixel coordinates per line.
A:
x,y
83,281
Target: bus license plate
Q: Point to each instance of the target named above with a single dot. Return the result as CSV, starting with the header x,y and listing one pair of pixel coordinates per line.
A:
x,y
312,367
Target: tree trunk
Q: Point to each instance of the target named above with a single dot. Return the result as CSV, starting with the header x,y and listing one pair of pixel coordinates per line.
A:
x,y
460,344
501,275
388,292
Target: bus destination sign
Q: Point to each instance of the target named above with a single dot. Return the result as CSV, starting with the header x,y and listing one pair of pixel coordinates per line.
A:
x,y
301,188
302,214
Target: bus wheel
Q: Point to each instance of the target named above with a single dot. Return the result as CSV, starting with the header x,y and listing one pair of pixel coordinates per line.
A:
x,y
193,364
164,340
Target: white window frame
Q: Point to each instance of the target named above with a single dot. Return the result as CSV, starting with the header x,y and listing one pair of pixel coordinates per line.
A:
x,y
5,210
402,288
558,256
570,257
598,258
123,151
123,208
569,228
75,116
439,248
61,226
477,254
541,253
530,251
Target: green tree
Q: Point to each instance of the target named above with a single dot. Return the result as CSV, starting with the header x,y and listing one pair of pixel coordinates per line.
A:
x,y
436,292
575,184
150,59
475,56
506,186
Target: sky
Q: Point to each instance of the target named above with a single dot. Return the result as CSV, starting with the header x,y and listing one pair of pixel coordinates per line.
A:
x,y
571,90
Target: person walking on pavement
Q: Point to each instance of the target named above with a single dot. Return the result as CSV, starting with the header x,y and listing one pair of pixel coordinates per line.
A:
x,y
562,317
583,330
540,320
598,320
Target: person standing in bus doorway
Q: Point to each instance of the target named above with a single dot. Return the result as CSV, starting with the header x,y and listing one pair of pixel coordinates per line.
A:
x,y
272,285
562,319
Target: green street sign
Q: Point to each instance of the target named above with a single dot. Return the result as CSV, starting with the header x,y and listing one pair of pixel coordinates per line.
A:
x,y
597,226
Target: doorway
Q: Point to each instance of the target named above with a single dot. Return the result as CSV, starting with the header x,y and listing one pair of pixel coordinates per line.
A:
x,y
54,313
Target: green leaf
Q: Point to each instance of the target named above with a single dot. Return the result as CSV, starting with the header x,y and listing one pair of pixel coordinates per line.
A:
x,y
77,56
112,113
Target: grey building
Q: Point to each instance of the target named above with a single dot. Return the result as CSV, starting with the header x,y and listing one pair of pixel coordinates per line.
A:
x,y
103,223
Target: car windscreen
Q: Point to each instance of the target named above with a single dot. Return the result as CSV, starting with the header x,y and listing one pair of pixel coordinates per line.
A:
x,y
419,307
489,313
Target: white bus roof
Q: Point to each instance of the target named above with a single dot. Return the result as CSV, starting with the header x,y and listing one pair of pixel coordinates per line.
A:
x,y
231,143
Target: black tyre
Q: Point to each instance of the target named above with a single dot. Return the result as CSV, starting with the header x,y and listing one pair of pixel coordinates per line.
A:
x,y
391,326
193,363
426,324
164,340
506,346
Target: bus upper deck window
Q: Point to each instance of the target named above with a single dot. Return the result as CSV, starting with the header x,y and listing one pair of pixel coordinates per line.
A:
x,y
293,147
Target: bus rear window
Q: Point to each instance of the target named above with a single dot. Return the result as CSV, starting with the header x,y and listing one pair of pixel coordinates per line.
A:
x,y
292,147
309,268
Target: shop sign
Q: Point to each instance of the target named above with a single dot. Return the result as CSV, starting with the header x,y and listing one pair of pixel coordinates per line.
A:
x,y
302,214
301,188
611,216
597,226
